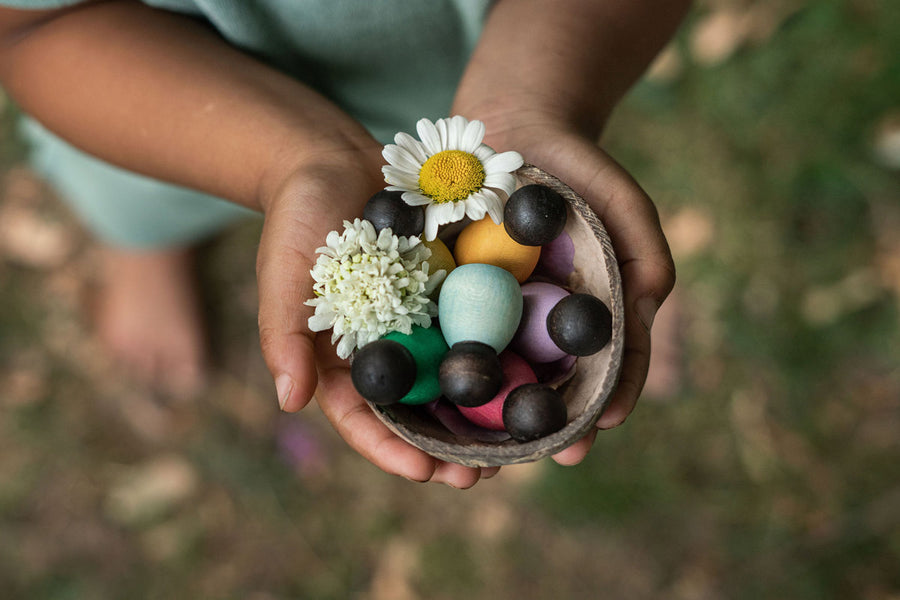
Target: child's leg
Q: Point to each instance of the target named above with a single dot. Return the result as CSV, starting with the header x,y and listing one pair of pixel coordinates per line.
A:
x,y
147,311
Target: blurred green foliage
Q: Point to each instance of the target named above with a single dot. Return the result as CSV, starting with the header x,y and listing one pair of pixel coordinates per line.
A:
x,y
768,469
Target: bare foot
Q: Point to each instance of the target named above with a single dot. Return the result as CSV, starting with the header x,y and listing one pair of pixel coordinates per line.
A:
x,y
147,313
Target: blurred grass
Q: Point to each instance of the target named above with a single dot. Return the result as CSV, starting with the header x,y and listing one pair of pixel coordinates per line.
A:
x,y
768,470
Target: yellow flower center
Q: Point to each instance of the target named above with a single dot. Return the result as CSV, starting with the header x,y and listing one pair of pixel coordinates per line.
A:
x,y
450,176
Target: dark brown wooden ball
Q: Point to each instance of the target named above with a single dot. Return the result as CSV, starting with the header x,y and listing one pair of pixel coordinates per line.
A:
x,y
534,215
387,209
580,324
383,371
470,374
533,411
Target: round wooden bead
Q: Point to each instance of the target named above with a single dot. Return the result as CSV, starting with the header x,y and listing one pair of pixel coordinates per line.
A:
x,y
470,374
486,242
533,411
387,209
516,372
428,348
532,341
383,371
534,215
580,324
481,303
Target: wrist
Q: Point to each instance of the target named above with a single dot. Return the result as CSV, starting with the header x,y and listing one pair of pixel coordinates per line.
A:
x,y
336,157
515,122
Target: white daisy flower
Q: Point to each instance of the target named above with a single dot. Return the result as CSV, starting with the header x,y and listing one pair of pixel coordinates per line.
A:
x,y
451,172
368,284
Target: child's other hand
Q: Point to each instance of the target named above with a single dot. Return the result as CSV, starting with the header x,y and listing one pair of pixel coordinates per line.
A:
x,y
648,272
314,199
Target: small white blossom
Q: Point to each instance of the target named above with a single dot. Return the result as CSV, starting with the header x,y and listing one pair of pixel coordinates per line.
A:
x,y
369,284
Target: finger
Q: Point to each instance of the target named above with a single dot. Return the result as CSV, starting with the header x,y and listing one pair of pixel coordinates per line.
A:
x,y
284,285
636,350
295,226
488,472
645,263
455,475
632,221
354,421
576,453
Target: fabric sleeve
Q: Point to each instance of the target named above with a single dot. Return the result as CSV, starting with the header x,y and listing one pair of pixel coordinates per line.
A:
x,y
38,4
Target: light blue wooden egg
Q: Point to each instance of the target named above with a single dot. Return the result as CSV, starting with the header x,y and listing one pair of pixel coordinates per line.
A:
x,y
481,303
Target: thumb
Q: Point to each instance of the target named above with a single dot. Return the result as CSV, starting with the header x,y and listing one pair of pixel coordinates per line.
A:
x,y
282,271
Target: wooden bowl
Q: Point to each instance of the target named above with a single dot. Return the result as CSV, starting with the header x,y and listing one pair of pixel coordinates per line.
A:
x,y
586,393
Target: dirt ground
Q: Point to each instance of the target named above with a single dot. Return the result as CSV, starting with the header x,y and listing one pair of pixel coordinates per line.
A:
x,y
762,461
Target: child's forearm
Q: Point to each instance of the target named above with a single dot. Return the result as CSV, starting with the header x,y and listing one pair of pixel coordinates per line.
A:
x,y
161,94
569,59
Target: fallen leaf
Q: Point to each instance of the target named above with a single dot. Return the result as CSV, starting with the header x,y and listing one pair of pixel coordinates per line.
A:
x,y
391,580
825,304
667,66
28,239
886,143
689,231
149,490
716,37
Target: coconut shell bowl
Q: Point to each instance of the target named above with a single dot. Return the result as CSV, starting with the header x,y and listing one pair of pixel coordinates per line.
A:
x,y
586,388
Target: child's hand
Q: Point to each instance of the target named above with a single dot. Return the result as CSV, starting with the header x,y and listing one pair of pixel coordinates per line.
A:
x,y
648,272
313,200
544,78
159,93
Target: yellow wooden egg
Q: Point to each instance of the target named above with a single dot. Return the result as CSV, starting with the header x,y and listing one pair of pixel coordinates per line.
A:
x,y
486,242
441,258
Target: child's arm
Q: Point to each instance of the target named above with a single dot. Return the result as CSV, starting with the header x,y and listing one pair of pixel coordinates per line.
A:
x,y
161,94
544,78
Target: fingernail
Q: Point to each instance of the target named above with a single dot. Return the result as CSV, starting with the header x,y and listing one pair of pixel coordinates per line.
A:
x,y
284,385
488,472
646,309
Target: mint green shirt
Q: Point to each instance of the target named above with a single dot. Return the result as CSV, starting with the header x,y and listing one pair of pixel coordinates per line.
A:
x,y
387,63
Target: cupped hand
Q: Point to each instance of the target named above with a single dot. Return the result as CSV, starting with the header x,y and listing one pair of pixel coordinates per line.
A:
x,y
631,219
314,199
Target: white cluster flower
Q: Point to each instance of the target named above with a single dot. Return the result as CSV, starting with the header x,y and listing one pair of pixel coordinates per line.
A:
x,y
369,284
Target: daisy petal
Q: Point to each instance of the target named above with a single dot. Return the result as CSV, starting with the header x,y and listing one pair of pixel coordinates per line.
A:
x,y
412,145
505,161
476,207
502,181
415,199
442,127
457,127
493,205
472,136
483,152
431,221
396,176
401,157
443,212
429,135
459,211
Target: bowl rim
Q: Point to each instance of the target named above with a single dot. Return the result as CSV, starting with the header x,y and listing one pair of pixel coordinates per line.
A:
x,y
490,454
